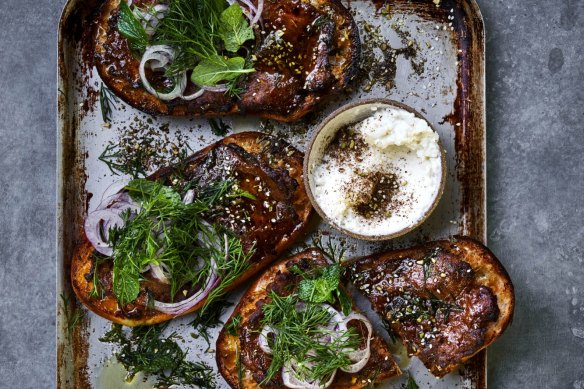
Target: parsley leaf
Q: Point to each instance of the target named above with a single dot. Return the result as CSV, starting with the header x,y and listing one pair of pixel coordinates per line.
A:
x,y
131,28
216,68
234,29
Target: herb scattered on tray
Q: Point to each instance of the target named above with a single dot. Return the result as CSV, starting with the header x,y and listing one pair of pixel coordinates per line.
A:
x,y
146,350
73,316
210,318
107,101
142,148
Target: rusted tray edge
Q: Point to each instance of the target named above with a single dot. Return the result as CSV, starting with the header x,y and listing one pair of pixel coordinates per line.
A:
x,y
473,130
471,143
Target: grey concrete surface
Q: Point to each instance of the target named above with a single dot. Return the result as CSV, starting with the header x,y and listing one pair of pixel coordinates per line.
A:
x,y
535,96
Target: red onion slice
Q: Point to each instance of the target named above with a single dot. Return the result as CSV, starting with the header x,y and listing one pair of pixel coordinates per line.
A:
x,y
183,306
97,226
193,96
189,197
158,57
159,272
258,13
151,18
263,339
217,88
360,357
114,188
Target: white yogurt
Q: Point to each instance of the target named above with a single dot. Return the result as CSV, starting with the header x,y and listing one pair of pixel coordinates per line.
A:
x,y
395,142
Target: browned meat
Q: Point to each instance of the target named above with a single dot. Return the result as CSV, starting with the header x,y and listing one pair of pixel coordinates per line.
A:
x,y
308,51
446,300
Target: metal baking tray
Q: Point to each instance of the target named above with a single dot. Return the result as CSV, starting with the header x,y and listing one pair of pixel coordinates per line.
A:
x,y
433,60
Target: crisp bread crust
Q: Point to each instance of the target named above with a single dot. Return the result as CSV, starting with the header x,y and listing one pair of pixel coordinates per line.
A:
x,y
229,346
256,144
272,91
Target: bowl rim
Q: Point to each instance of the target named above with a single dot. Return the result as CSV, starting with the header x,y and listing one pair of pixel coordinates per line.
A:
x,y
310,149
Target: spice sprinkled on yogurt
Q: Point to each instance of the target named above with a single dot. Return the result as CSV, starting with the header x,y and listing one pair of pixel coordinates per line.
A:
x,y
379,176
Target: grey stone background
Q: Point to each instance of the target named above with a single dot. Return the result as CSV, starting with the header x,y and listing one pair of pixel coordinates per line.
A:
x,y
535,79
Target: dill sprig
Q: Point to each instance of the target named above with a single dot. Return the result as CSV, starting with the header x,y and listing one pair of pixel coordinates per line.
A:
x,y
146,350
73,316
113,157
218,127
97,290
335,251
192,28
170,232
106,101
210,318
233,325
299,338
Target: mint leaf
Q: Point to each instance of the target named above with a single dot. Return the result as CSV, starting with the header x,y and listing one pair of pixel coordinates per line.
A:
x,y
321,288
131,28
234,29
216,68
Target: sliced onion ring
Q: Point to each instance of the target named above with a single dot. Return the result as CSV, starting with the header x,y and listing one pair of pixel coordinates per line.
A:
x,y
159,272
263,339
114,188
360,357
258,13
97,226
217,88
152,17
159,56
183,306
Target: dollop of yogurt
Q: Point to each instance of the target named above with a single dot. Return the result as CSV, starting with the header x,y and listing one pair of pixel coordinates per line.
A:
x,y
381,175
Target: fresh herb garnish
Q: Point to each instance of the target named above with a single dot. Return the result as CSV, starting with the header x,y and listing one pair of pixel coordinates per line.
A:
x,y
106,101
299,334
170,232
113,157
232,327
216,68
411,382
218,127
131,28
234,28
73,317
97,289
146,350
203,321
205,34
324,285
335,251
